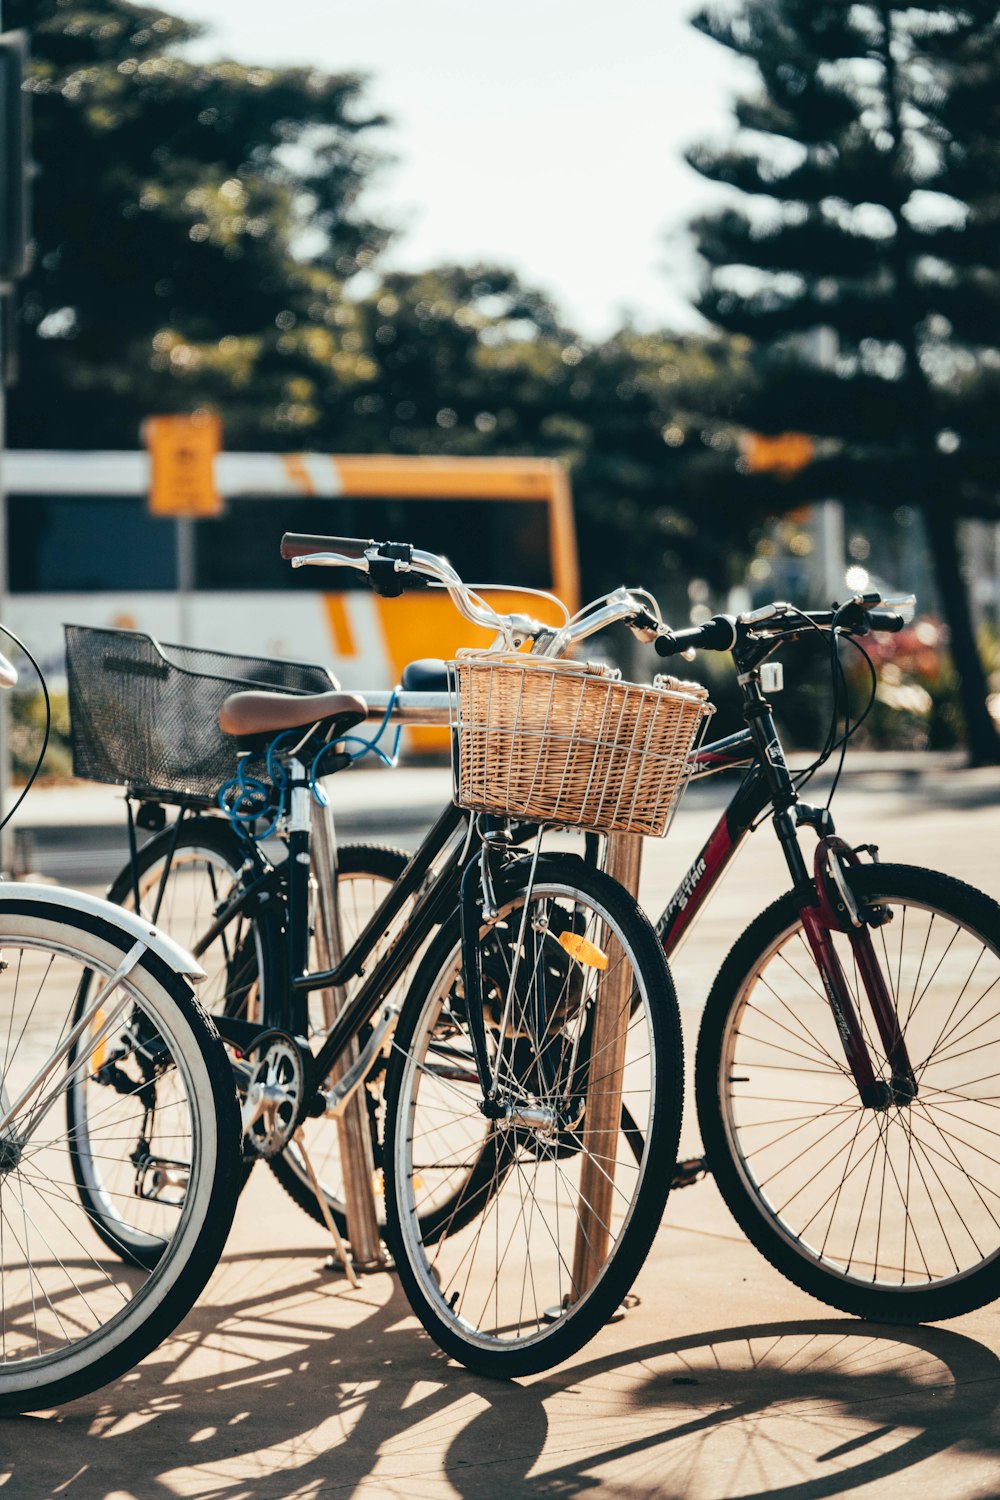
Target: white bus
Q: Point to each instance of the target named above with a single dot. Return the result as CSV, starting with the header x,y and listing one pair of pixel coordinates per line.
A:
x,y
83,547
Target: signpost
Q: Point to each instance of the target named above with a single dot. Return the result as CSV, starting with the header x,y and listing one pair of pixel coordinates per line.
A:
x,y
182,452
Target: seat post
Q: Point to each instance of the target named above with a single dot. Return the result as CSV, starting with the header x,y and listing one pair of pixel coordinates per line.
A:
x,y
354,1131
298,820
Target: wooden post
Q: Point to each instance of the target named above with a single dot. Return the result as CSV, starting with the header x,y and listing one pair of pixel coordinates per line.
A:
x,y
602,1121
356,1156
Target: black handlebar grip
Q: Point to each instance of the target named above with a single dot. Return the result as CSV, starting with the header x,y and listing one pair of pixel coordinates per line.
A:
x,y
883,619
297,544
717,634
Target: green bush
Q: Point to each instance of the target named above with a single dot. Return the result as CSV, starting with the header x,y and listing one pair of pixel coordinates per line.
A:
x,y
27,726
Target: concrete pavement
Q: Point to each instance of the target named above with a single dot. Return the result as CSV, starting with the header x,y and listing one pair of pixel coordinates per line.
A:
x,y
721,1381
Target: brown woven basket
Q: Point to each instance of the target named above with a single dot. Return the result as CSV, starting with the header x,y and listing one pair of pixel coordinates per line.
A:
x,y
560,742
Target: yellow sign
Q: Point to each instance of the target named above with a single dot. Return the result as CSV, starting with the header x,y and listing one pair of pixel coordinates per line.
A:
x,y
182,464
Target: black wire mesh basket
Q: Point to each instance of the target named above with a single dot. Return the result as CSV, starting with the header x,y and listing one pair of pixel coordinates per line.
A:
x,y
146,716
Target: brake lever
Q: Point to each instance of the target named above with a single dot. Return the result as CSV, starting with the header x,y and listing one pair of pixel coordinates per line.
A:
x,y
645,628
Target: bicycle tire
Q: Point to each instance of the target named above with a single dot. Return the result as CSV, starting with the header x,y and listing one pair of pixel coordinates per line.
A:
x,y
71,1323
432,1109
872,1211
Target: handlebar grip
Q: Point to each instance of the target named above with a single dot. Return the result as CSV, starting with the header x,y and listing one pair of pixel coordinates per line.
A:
x,y
881,619
717,634
298,544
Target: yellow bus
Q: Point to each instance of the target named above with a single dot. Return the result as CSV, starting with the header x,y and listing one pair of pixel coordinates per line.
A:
x,y
83,547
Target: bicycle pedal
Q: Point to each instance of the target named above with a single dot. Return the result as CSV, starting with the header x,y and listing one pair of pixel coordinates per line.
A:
x,y
689,1171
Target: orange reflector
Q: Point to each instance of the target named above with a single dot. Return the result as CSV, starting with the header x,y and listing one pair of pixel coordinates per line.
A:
x,y
585,953
98,1054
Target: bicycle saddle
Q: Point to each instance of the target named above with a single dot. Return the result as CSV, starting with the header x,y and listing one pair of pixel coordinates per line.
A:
x,y
259,713
428,675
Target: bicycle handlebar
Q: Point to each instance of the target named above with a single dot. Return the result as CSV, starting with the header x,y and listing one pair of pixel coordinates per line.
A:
x,y
386,564
300,544
722,632
717,634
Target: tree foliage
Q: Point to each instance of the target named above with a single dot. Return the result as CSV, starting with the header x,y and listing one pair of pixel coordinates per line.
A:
x,y
869,170
468,360
195,226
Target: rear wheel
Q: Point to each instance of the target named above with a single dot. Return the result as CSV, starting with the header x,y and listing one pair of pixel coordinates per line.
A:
x,y
157,1141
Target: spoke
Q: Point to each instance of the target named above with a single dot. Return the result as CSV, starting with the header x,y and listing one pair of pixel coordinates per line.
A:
x,y
32,1278
795,1035
56,1257
947,1029
748,1036
937,967
793,1121
11,1055
123,1248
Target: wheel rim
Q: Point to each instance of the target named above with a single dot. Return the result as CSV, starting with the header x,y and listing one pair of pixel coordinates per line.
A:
x,y
506,1278
896,1199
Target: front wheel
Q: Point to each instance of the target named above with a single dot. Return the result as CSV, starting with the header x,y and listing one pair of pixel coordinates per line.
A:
x,y
517,1238
891,1213
89,1285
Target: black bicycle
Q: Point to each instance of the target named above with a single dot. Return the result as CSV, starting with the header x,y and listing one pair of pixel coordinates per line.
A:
x,y
515,996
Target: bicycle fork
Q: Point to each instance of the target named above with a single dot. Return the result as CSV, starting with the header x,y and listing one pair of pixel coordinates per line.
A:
x,y
478,904
838,911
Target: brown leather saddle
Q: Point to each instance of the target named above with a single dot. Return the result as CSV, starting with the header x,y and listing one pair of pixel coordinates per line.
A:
x,y
254,717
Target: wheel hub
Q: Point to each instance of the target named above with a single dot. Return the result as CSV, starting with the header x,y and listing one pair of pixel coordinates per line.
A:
x,y
11,1152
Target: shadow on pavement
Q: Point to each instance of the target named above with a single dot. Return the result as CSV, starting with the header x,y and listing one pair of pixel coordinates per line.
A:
x,y
284,1383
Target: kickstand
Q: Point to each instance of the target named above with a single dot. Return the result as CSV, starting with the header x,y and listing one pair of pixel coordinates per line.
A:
x,y
341,1249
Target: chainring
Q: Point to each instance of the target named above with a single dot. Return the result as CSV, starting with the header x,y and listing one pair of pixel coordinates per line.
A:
x,y
274,1097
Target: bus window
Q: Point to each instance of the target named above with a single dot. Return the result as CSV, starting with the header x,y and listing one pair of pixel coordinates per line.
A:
x,y
81,544
486,541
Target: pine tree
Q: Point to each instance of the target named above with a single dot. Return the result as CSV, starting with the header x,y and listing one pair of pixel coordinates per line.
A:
x,y
870,165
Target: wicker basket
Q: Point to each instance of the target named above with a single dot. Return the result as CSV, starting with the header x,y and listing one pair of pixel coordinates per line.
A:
x,y
146,716
558,742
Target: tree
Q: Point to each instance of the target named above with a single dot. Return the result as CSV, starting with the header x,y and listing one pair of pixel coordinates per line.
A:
x,y
870,170
470,360
195,227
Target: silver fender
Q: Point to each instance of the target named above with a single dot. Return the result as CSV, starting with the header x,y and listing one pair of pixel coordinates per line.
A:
x,y
134,927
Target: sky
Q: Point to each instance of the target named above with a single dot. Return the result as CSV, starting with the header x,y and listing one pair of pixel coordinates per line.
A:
x,y
546,135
